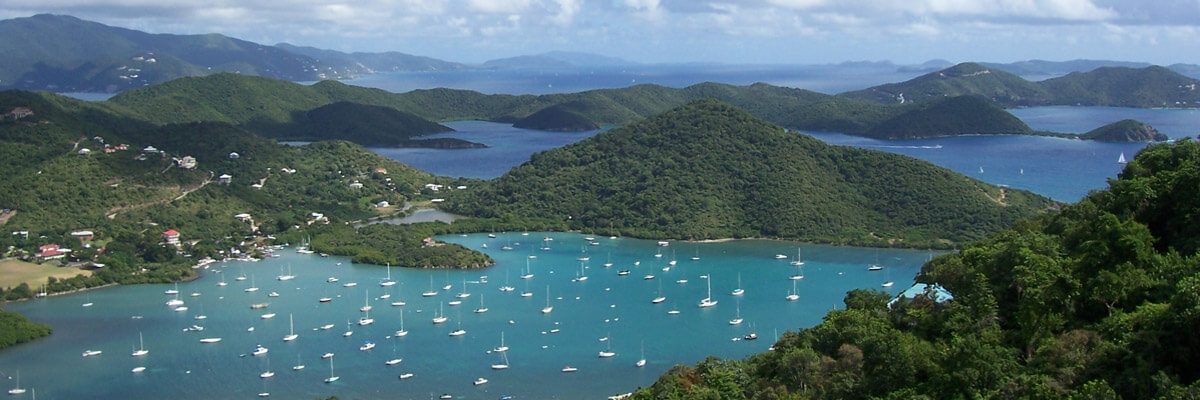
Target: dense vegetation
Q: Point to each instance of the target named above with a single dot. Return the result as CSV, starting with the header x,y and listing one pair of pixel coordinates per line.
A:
x,y
129,197
1126,130
16,329
63,53
709,170
1146,87
558,117
1098,301
363,124
950,116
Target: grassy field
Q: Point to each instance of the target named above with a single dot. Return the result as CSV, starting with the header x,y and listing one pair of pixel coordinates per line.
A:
x,y
13,272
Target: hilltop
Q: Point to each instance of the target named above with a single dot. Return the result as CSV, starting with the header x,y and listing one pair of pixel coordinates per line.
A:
x,y
1126,130
1150,86
1098,301
709,170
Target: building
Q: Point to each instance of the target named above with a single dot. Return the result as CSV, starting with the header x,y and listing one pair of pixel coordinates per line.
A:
x,y
171,237
382,204
224,179
187,162
20,112
85,151
234,156
83,235
150,150
242,217
433,187
356,185
381,170
51,252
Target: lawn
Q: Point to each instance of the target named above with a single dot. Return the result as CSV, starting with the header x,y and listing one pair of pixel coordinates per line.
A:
x,y
13,272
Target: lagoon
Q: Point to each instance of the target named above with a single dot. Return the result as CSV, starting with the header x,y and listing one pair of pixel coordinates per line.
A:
x,y
605,305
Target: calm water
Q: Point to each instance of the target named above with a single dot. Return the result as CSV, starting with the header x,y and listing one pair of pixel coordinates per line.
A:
x,y
828,79
1062,169
605,305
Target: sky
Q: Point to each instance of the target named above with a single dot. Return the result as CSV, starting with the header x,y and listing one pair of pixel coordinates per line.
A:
x,y
673,31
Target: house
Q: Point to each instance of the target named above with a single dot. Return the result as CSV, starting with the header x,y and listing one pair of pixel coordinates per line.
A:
x,y
51,251
85,151
22,234
356,185
83,235
242,217
433,187
171,237
256,186
381,170
427,242
382,204
224,179
234,156
20,112
187,162
150,150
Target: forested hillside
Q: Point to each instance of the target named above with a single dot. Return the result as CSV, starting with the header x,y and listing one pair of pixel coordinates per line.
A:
x,y
1098,301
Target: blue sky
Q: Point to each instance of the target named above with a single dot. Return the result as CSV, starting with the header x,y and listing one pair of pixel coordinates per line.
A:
x,y
727,31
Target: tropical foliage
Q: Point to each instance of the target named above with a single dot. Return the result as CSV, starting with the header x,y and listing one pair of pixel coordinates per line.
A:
x,y
16,329
709,170
1098,301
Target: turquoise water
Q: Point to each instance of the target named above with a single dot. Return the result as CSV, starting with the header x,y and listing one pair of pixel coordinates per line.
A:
x,y
604,305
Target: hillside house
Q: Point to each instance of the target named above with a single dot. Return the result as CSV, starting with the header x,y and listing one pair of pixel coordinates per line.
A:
x,y
171,237
356,185
51,252
85,151
20,112
187,162
234,156
433,187
225,179
83,235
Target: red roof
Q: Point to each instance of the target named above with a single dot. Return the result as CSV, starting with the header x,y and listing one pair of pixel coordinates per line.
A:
x,y
171,233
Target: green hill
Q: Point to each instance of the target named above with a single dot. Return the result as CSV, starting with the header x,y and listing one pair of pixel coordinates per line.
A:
x,y
709,170
1126,130
963,79
1146,87
129,195
950,116
1098,301
558,117
67,54
1125,87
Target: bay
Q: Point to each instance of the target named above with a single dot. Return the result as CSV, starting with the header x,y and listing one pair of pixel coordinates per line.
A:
x,y
605,305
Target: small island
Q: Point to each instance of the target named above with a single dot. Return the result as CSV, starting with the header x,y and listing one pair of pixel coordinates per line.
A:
x,y
1126,130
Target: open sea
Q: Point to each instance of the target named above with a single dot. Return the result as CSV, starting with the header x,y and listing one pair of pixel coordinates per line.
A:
x,y
606,312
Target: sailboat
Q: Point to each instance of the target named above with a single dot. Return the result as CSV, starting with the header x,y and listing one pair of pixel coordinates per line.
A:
x,y
888,279
141,351
793,296
17,389
285,277
348,330
737,318
87,298
582,273
583,256
739,291
660,297
440,318
464,293
708,301
607,352
388,281
875,266
506,287
503,365
673,260
697,256
395,358
331,377
366,302
528,272
1121,159
431,291
291,330
252,288
267,373
641,362
366,319
797,262
502,348
401,332
548,308
174,290
609,262
481,308
299,365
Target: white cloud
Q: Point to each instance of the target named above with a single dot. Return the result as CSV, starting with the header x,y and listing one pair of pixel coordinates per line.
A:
x,y
498,6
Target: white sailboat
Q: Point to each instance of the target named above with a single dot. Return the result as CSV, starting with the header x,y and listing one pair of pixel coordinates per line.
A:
x,y
268,372
502,348
793,296
388,281
285,277
252,288
440,317
141,350
504,365
708,301
299,365
660,297
17,389
402,332
431,291
174,290
528,272
607,352
348,330
222,282
798,261
887,281
738,291
366,302
1121,159
481,308
641,362
737,317
463,294
582,273
291,330
332,378
875,266
548,308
